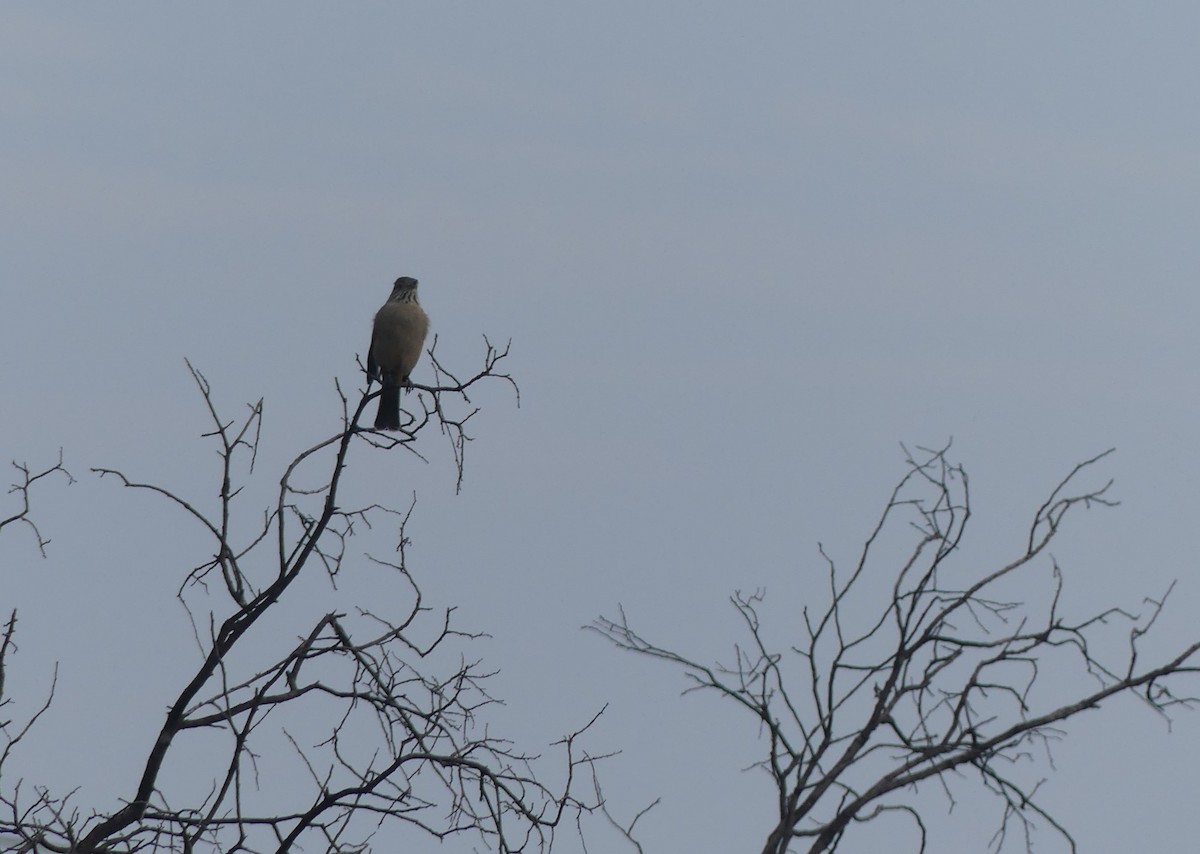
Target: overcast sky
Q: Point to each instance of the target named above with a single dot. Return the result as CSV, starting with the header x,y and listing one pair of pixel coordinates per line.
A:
x,y
743,251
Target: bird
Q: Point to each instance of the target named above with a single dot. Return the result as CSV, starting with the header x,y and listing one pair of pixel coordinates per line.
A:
x,y
396,341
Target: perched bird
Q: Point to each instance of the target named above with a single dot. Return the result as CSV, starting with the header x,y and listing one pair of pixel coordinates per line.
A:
x,y
396,342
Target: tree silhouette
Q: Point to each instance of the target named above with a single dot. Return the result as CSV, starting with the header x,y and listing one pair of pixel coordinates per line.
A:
x,y
317,735
925,668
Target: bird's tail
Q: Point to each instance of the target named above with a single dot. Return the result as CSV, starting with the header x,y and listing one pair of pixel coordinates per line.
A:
x,y
388,416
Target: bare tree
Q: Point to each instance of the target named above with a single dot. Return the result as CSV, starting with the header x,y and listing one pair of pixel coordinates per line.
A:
x,y
380,707
926,670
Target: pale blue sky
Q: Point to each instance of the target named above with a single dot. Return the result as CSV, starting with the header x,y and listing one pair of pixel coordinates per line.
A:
x,y
742,250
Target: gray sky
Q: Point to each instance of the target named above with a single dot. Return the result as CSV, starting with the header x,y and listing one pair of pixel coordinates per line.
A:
x,y
742,253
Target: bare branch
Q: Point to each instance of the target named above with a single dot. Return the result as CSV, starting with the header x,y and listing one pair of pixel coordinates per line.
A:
x,y
915,670
382,708
23,489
